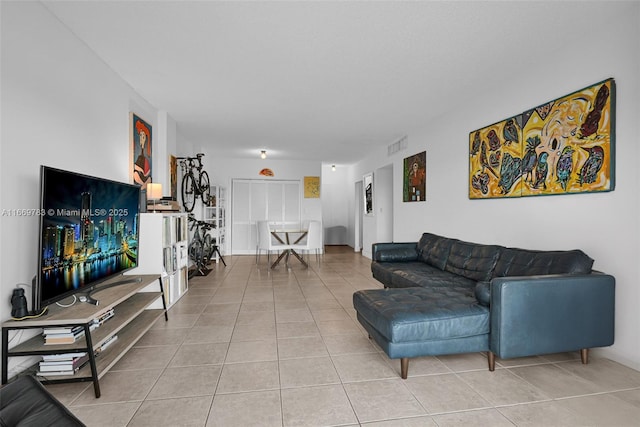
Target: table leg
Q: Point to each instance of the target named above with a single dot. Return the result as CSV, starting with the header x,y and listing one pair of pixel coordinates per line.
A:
x,y
300,258
274,234
300,238
277,261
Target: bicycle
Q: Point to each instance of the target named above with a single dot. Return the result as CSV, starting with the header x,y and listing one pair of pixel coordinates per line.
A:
x,y
192,187
202,246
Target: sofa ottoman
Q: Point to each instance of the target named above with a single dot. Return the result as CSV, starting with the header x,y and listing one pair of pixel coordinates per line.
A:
x,y
413,322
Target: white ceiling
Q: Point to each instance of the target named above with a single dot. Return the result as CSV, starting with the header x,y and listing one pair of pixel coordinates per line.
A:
x,y
324,80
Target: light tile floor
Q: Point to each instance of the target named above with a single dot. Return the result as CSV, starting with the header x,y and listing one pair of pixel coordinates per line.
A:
x,y
248,346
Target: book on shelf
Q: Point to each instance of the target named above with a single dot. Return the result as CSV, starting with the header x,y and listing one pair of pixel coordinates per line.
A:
x,y
64,364
61,330
98,321
56,373
68,338
168,256
62,356
106,344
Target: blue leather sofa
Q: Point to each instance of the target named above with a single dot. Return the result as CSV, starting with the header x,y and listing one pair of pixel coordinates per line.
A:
x,y
447,296
25,402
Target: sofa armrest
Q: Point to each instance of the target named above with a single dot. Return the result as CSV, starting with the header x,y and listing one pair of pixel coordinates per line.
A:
x,y
25,402
551,314
394,252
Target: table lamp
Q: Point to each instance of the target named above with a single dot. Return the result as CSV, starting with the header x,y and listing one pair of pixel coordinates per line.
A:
x,y
154,192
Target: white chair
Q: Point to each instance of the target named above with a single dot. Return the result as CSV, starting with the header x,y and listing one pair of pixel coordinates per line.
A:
x,y
257,242
314,239
265,242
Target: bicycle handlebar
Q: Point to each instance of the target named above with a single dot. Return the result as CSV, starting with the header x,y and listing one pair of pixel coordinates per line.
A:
x,y
197,157
199,223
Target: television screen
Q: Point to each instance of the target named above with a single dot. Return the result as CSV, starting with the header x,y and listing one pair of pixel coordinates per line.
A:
x,y
88,233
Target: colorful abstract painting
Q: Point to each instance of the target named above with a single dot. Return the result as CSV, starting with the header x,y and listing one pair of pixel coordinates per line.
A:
x,y
415,178
565,146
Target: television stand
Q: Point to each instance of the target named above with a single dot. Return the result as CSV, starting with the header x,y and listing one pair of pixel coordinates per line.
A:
x,y
90,300
133,317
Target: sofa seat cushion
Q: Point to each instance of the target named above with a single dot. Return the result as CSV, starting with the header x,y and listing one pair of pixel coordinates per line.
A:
x,y
423,314
424,275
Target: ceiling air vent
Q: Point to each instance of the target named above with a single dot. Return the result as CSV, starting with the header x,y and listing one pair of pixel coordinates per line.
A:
x,y
399,145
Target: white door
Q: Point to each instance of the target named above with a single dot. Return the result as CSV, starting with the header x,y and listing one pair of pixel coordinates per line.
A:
x,y
256,200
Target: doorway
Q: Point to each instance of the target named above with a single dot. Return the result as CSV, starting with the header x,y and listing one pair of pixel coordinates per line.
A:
x,y
377,226
359,208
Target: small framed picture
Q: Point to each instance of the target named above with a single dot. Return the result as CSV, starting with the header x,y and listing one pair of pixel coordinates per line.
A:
x,y
367,190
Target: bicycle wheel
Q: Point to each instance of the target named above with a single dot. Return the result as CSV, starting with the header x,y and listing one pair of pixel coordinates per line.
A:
x,y
188,192
196,254
207,248
205,187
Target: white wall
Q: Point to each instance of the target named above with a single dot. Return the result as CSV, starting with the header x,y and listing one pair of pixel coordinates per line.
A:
x,y
604,225
61,107
335,197
384,203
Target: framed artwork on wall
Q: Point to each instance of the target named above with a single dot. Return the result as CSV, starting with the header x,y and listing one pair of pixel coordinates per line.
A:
x,y
311,187
566,146
140,150
415,178
173,174
367,190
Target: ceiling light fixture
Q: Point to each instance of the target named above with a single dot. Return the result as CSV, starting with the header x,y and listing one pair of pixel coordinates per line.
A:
x,y
333,168
263,154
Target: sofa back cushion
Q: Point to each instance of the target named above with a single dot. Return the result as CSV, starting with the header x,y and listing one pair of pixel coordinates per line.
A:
x,y
434,250
472,260
522,262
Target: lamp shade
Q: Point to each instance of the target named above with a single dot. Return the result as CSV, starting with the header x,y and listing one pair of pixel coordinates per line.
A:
x,y
154,191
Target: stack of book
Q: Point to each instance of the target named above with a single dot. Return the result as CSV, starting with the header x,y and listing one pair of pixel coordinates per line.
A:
x,y
98,321
106,344
62,334
62,364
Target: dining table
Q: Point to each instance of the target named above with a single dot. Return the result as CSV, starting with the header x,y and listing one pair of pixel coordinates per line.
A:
x,y
285,236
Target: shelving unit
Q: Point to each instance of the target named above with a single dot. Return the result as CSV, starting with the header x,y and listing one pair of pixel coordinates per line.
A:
x,y
132,300
215,213
164,241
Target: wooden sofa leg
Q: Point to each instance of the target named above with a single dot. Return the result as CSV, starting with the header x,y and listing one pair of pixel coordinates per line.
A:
x,y
584,355
404,367
492,361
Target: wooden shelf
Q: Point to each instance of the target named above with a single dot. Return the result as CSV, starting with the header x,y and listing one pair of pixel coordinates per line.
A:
x,y
127,338
133,316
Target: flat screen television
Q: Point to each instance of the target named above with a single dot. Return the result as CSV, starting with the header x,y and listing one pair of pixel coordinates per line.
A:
x,y
88,234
